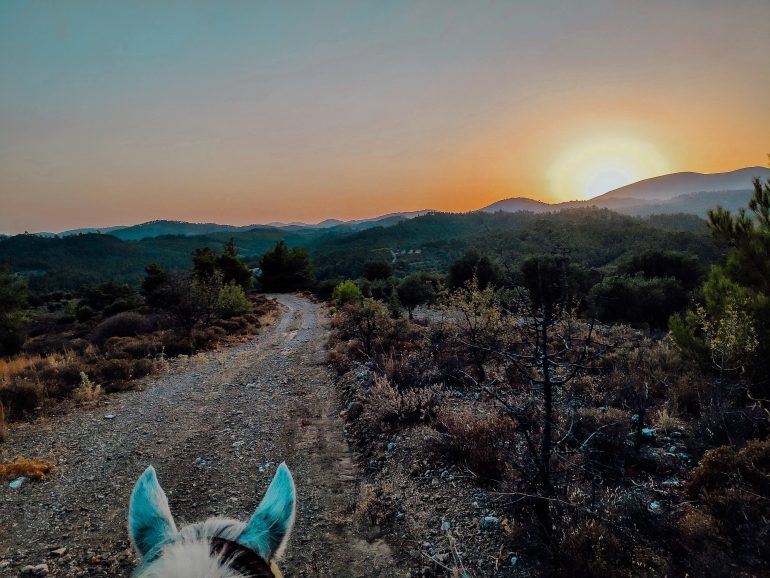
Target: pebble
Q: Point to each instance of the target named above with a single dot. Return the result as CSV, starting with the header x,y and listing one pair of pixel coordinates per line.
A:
x,y
39,570
488,522
17,483
109,416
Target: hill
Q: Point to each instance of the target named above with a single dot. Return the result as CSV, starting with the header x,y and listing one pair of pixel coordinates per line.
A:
x,y
159,228
517,204
676,184
693,193
595,237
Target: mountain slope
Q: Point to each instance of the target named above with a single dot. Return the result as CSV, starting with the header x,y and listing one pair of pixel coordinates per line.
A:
x,y
691,193
517,204
675,184
160,228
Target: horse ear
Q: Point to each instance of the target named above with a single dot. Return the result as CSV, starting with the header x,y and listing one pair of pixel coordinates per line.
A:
x,y
267,532
149,518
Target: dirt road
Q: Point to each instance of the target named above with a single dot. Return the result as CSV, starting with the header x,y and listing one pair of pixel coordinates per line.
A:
x,y
214,427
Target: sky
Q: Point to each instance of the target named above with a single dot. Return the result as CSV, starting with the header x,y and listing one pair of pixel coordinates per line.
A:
x,y
115,113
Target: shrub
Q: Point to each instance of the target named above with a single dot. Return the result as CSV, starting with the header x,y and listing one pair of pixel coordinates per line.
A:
x,y
373,506
84,313
115,370
31,468
713,429
480,442
174,344
410,369
724,466
592,549
602,435
666,420
127,324
389,408
686,393
46,344
232,301
141,368
133,347
60,377
366,321
206,338
22,396
347,293
735,486
338,358
226,326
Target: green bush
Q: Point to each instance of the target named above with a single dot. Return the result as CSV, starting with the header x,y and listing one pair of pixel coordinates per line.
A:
x,y
637,300
232,301
346,292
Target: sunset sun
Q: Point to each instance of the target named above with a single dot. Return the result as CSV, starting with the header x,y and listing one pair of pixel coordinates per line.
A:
x,y
595,166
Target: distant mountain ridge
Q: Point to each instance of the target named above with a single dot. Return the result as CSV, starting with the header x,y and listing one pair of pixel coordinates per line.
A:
x,y
670,186
686,192
162,227
516,204
683,192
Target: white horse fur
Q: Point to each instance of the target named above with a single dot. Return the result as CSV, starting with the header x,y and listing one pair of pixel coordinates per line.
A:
x,y
189,553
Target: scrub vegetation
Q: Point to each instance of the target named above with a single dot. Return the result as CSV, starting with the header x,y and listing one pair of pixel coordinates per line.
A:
x,y
541,418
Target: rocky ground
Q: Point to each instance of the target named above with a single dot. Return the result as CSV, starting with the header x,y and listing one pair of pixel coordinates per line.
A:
x,y
214,426
442,520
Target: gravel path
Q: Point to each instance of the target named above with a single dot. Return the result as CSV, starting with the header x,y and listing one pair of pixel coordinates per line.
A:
x,y
214,427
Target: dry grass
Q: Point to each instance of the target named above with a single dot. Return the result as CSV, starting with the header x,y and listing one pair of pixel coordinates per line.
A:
x,y
666,420
34,469
478,441
87,391
373,506
22,365
592,549
389,408
11,368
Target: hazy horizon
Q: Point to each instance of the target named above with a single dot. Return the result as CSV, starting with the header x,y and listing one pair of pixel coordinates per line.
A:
x,y
121,113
